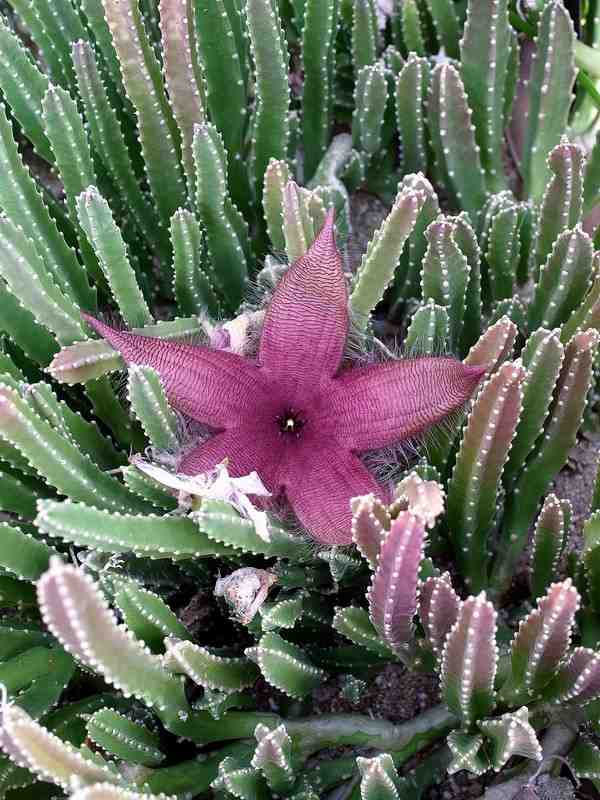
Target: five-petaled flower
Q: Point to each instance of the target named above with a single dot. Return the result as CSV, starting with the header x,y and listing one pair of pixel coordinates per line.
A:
x,y
297,414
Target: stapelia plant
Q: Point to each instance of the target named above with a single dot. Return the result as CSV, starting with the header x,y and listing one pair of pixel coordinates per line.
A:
x,y
292,415
283,491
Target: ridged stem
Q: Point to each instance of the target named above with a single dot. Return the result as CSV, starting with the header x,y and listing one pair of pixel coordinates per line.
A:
x,y
194,775
587,58
312,734
319,26
407,738
558,740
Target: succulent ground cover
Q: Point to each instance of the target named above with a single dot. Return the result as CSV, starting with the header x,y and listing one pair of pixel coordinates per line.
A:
x,y
234,471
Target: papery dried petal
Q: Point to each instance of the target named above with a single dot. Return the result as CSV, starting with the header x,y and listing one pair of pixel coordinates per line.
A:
x,y
245,590
425,498
251,448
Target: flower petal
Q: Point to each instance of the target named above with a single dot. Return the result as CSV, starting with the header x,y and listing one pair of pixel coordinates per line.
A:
x,y
215,387
307,321
383,404
320,482
246,448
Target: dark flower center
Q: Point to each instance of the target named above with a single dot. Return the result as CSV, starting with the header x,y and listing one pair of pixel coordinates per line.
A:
x,y
290,422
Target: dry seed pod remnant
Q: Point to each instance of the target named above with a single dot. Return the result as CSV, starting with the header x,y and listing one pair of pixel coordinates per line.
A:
x,y
283,493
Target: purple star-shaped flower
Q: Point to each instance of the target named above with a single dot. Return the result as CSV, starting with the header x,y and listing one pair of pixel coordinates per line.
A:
x,y
296,415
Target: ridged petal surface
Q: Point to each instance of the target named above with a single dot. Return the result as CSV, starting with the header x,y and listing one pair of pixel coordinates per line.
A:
x,y
247,448
215,387
306,324
383,404
319,484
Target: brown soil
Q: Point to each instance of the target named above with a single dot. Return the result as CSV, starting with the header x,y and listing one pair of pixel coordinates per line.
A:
x,y
396,694
576,483
367,212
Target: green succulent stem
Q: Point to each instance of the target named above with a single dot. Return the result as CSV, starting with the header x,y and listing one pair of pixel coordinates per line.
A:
x,y
587,58
195,774
315,733
584,80
549,457
407,738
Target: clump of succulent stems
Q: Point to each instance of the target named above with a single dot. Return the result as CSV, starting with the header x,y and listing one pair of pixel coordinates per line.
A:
x,y
176,183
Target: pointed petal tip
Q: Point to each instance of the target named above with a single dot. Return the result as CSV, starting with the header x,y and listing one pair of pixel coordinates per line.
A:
x,y
113,336
325,244
94,323
476,372
306,323
327,232
102,328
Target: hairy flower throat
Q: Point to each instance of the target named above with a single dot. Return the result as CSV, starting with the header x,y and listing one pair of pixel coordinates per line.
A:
x,y
291,423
